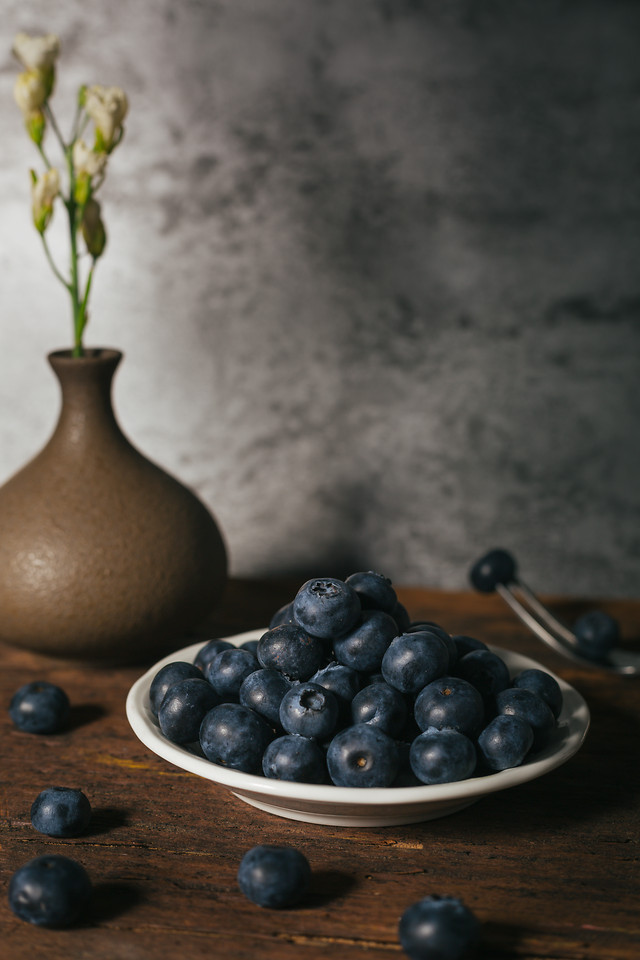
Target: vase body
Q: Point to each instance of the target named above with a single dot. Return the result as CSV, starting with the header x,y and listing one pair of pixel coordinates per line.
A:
x,y
103,555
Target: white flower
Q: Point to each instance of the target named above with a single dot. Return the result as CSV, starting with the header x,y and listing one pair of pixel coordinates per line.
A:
x,y
107,107
44,191
30,91
86,161
36,53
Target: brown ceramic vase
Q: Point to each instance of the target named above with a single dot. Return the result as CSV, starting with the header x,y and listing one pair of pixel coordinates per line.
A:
x,y
103,555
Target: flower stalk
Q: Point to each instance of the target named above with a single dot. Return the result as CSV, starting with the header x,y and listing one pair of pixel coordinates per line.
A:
x,y
106,108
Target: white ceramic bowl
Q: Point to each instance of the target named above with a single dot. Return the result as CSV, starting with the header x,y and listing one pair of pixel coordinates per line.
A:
x,y
358,807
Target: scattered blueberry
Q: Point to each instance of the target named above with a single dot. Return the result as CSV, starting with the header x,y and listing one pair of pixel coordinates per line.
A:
x,y
442,756
374,590
597,634
61,812
307,709
49,891
291,650
294,758
363,647
505,742
39,707
234,736
326,608
274,876
183,708
362,756
166,677
438,928
497,566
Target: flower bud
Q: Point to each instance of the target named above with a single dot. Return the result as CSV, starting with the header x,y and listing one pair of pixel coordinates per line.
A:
x,y
44,190
36,53
86,161
93,230
30,91
36,124
107,107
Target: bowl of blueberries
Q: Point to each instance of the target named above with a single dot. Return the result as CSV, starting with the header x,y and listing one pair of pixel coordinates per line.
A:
x,y
344,711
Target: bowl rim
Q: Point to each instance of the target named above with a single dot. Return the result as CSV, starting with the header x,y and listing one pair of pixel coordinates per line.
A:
x,y
573,724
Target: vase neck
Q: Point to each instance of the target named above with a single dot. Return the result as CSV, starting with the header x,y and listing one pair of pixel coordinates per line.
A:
x,y
86,413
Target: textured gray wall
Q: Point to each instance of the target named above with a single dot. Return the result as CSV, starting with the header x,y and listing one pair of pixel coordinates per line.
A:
x,y
374,268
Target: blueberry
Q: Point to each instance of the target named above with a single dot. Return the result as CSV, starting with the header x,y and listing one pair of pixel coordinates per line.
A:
x,y
307,709
546,686
327,608
291,650
166,677
39,707
234,736
362,756
283,615
251,645
61,812
413,660
497,566
519,702
228,669
442,756
342,681
505,742
363,647
422,626
262,691
380,706
438,928
466,644
485,670
450,702
374,590
206,654
183,707
49,891
294,758
274,876
401,617
597,634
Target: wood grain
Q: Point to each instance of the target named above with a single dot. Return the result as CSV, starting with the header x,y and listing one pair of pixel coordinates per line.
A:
x,y
550,867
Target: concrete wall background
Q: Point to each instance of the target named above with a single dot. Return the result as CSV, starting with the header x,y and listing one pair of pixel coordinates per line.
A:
x,y
374,269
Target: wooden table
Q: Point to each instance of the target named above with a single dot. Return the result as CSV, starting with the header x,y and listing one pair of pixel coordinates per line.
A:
x,y
550,868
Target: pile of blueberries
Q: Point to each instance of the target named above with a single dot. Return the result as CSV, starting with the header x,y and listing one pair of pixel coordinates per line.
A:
x,y
344,688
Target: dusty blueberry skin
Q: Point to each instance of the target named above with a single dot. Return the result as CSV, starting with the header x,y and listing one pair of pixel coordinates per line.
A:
x,y
326,607
50,891
546,686
485,670
234,736
413,660
519,702
438,928
597,634
450,702
465,644
283,615
227,671
291,650
497,566
442,756
274,876
166,677
183,707
61,812
262,691
504,743
294,758
362,756
447,639
211,649
401,616
363,647
374,590
380,706
39,707
308,710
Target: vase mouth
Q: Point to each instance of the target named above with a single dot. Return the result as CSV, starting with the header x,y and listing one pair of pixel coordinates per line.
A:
x,y
91,355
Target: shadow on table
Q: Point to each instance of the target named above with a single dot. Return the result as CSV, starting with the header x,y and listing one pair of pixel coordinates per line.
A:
x,y
111,899
105,819
327,886
82,714
499,940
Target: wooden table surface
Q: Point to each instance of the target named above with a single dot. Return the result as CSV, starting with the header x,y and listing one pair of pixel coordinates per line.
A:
x,y
550,867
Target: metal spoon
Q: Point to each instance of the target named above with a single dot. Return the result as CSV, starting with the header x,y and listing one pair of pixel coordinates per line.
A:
x,y
496,571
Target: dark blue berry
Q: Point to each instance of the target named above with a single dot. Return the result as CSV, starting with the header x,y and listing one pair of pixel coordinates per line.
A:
x,y
274,876
308,710
380,706
505,742
283,615
466,644
294,758
450,702
413,660
211,649
39,707
442,756
546,686
61,812
401,617
227,671
519,702
497,566
363,647
597,634
49,891
166,677
291,650
362,756
438,928
262,691
183,707
251,645
342,681
234,736
327,608
484,670
374,590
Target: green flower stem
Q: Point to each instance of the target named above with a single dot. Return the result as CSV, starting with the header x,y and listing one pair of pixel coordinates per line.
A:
x,y
52,263
77,305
